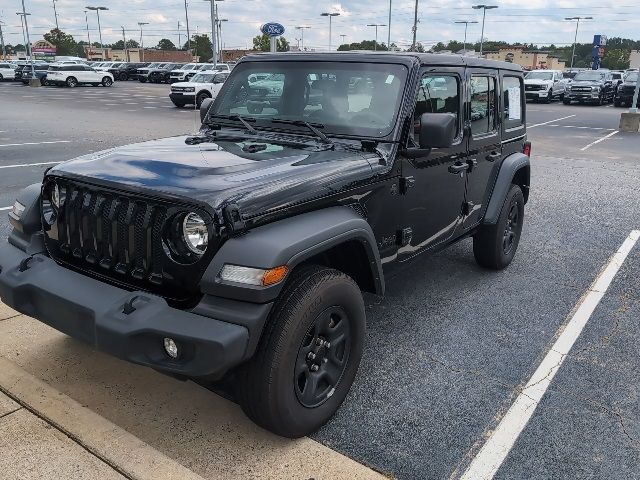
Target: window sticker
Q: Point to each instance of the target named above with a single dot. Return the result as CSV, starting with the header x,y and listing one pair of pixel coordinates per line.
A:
x,y
515,106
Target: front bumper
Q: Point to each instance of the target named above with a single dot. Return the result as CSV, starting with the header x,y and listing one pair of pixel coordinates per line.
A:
x,y
187,97
128,325
583,96
533,95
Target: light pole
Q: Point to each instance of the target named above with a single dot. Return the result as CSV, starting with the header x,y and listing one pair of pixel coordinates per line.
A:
x,y
24,38
141,24
26,29
466,24
484,14
301,28
577,19
375,45
343,36
55,13
97,9
214,34
330,15
220,20
179,39
186,16
86,20
4,52
415,27
389,29
124,40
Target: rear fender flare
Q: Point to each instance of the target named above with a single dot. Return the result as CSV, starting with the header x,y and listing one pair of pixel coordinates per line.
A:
x,y
515,166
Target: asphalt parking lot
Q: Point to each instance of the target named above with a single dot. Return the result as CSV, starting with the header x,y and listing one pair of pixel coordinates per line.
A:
x,y
451,346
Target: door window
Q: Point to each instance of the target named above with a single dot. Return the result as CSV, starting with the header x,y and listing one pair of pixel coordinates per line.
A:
x,y
437,94
513,100
483,105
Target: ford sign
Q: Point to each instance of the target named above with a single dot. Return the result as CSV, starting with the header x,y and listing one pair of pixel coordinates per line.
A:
x,y
272,29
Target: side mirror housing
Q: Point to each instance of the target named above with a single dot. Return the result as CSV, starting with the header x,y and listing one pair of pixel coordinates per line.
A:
x,y
437,130
204,108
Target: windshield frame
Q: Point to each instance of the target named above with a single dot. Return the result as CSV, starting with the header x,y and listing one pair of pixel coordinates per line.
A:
x,y
390,133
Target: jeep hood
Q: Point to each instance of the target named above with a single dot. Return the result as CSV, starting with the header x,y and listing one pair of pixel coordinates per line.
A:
x,y
221,173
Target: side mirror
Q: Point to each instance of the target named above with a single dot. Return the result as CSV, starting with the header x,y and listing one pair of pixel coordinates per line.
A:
x,y
437,130
204,108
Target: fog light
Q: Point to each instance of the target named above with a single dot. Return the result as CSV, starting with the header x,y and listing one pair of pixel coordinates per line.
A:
x,y
170,347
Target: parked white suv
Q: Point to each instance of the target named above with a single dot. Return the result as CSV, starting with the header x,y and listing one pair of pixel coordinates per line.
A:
x,y
74,75
7,71
203,85
544,85
184,73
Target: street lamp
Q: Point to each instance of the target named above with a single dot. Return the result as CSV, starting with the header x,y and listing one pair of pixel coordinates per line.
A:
x,y
55,13
484,14
220,20
4,52
577,19
141,24
330,15
214,34
26,29
375,45
301,28
86,20
466,24
97,10
343,36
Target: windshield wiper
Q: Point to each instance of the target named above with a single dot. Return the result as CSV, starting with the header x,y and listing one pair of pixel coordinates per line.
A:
x,y
242,120
301,123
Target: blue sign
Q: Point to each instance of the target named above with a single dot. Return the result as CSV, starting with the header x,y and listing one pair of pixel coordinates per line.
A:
x,y
272,29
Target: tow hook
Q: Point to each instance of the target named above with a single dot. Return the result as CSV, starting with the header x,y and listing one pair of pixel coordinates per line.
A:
x,y
24,264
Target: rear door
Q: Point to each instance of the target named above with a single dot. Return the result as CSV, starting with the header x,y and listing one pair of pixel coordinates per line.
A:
x,y
485,149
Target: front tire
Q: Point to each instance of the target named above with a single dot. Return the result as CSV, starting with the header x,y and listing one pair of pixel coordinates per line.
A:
x,y
201,98
494,246
123,77
107,82
308,355
72,82
566,101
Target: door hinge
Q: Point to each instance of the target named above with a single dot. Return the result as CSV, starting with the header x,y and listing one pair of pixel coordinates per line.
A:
x,y
233,217
403,236
406,183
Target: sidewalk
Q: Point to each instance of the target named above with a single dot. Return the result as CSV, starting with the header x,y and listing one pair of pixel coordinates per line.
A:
x,y
68,411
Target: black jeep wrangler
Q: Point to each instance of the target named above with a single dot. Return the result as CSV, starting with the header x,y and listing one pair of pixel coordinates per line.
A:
x,y
243,251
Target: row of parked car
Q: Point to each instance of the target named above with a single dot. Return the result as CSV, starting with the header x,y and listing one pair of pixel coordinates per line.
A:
x,y
157,72
586,86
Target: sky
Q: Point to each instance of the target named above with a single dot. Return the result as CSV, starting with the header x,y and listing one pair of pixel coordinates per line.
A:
x,y
533,21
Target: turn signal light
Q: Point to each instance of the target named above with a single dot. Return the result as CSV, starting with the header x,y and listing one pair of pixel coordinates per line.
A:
x,y
274,275
527,149
253,276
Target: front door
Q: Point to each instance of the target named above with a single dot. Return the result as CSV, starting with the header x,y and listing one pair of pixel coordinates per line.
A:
x,y
436,181
485,148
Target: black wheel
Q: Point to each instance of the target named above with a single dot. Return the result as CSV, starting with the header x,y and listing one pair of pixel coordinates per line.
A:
x,y
1,78
308,355
549,97
566,101
617,103
142,80
107,82
72,82
43,82
179,104
123,76
201,98
601,100
494,246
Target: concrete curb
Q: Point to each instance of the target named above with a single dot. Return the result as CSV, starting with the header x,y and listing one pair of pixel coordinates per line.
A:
x,y
122,451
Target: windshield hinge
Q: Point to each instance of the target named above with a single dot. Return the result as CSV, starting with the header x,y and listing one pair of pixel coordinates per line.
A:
x,y
406,183
369,145
233,217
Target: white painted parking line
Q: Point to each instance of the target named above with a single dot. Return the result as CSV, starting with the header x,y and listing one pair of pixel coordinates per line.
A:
x,y
580,127
550,121
502,439
599,140
28,164
33,143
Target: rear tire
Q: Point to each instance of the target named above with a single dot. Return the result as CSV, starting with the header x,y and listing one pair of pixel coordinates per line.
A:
x,y
494,246
617,103
308,355
123,77
107,82
142,80
71,82
566,101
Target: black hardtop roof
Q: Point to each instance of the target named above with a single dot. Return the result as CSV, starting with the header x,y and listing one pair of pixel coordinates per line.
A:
x,y
386,57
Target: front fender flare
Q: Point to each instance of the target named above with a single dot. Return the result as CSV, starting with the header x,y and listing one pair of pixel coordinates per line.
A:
x,y
290,242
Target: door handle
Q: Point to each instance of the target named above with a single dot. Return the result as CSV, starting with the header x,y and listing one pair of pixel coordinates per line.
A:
x,y
493,156
458,167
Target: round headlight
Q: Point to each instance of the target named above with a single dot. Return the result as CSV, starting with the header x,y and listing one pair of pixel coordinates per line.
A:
x,y
195,233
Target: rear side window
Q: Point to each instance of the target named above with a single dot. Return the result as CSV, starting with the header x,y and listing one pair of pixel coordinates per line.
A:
x,y
513,101
483,105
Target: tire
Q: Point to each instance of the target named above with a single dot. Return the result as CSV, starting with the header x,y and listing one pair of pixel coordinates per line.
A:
x,y
142,80
1,78
272,387
566,101
617,103
107,82
123,77
71,82
201,98
179,104
549,97
494,246
43,82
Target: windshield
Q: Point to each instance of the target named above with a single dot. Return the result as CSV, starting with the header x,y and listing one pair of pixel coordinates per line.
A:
x,y
539,76
153,65
188,66
588,76
359,99
203,78
632,77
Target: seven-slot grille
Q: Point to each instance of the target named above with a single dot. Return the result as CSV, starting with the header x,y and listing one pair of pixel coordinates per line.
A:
x,y
582,89
118,236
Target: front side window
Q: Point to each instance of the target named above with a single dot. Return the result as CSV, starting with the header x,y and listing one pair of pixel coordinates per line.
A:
x,y
513,101
483,105
437,94
346,98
